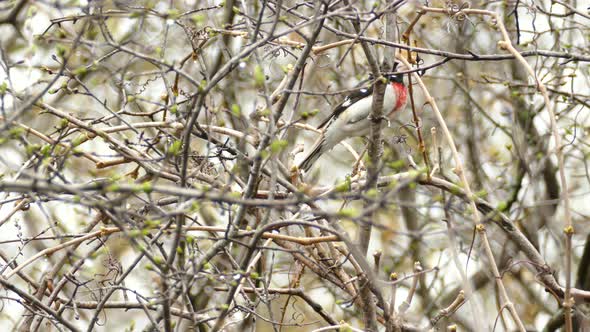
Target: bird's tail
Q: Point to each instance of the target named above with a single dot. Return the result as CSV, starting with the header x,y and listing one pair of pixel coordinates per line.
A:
x,y
313,155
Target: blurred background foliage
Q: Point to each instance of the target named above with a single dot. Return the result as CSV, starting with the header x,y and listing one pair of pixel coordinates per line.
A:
x,y
95,99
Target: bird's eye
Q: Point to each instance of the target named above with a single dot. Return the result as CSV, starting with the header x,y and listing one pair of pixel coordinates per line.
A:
x,y
364,90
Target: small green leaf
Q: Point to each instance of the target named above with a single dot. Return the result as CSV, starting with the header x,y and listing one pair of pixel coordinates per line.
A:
x,y
199,19
343,186
308,114
236,110
482,193
63,123
80,71
173,13
46,149
372,193
195,206
259,76
175,148
455,190
113,187
211,33
152,223
147,187
348,213
397,165
16,132
32,148
61,50
278,145
79,140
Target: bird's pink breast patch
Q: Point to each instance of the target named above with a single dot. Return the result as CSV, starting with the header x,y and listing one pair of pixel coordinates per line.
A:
x,y
401,92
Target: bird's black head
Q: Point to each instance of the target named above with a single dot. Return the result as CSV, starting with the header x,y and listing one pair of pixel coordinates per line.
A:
x,y
398,78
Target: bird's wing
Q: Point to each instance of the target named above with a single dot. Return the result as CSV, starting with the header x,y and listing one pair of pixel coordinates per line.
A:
x,y
346,103
313,154
360,111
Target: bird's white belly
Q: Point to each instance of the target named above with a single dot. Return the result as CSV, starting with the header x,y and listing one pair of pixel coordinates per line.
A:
x,y
354,121
346,130
389,100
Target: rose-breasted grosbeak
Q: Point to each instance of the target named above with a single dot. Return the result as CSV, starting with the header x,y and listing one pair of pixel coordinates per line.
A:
x,y
351,117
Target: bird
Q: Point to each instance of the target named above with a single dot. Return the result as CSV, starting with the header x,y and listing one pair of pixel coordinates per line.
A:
x,y
350,118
